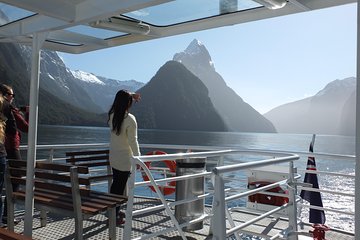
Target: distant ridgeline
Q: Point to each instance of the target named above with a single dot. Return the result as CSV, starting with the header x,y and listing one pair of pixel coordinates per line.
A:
x,y
330,111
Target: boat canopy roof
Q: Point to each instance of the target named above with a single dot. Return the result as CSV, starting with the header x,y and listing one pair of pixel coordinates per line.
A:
x,y
78,26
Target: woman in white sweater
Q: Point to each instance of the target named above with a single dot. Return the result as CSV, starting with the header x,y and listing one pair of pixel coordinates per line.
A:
x,y
123,141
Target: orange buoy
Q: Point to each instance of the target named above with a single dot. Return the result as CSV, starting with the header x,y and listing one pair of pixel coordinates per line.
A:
x,y
169,188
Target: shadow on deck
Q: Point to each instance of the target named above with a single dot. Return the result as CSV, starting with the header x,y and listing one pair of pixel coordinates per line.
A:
x,y
96,227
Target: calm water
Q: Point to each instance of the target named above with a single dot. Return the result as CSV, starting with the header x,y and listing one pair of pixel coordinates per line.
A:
x,y
292,142
288,142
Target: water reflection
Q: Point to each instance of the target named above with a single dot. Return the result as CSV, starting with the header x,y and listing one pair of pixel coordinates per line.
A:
x,y
48,134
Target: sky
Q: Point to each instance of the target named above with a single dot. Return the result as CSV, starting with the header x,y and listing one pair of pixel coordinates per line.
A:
x,y
267,63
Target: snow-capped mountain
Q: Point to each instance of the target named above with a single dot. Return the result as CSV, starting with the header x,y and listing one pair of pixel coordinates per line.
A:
x,y
52,110
81,89
87,77
197,53
237,114
59,81
102,90
78,88
330,111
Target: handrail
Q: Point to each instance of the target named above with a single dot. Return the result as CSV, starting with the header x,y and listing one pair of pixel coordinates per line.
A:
x,y
221,169
241,166
195,147
280,157
175,156
170,179
219,220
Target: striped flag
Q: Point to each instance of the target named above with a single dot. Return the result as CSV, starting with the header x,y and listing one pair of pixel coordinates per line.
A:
x,y
314,198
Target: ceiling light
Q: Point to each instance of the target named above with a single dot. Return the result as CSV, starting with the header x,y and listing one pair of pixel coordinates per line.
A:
x,y
122,26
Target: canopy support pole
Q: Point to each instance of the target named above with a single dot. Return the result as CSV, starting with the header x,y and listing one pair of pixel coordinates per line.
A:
x,y
357,130
37,42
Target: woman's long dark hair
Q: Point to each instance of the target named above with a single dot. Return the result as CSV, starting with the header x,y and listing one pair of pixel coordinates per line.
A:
x,y
122,103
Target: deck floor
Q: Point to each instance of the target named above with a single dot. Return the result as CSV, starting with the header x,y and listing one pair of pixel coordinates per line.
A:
x,y
96,227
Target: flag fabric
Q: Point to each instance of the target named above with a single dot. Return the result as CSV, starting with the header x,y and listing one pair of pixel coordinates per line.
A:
x,y
314,198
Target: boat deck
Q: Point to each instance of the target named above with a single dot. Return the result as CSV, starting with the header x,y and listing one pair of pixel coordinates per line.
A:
x,y
59,227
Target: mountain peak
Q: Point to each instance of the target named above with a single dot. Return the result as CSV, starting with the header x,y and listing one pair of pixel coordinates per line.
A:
x,y
338,86
196,58
194,110
197,53
86,77
194,47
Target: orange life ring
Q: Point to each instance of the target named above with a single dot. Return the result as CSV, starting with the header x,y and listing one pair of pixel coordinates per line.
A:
x,y
169,188
265,198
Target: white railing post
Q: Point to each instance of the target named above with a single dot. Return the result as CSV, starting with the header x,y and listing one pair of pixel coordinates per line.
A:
x,y
218,222
51,155
292,210
130,202
37,42
221,161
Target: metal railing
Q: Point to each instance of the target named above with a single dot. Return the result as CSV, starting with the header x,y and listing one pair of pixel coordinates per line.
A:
x,y
221,194
219,204
219,209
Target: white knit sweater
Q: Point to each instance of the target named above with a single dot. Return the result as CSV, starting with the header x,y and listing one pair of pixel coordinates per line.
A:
x,y
125,145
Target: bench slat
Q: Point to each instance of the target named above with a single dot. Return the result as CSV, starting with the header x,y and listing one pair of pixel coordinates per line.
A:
x,y
50,186
92,159
17,171
88,158
10,235
60,167
48,166
77,153
93,164
48,176
62,178
17,163
86,200
100,177
109,196
92,195
57,187
60,203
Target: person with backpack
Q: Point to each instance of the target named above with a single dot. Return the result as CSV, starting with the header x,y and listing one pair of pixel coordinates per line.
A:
x,y
16,122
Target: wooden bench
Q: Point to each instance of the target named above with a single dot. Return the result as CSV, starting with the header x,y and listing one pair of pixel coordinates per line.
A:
x,y
57,189
10,235
95,160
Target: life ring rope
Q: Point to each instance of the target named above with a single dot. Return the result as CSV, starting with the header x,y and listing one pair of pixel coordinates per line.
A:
x,y
169,188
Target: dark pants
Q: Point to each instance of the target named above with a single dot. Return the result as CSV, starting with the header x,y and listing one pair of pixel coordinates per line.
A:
x,y
11,154
119,183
